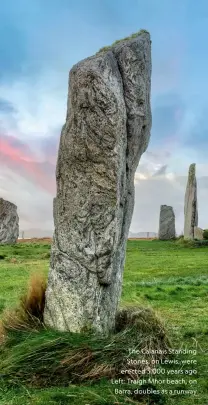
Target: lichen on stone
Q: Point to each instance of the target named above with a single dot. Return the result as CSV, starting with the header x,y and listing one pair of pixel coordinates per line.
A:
x,y
192,172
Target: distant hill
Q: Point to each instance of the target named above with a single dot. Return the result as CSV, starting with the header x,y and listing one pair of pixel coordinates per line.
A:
x,y
142,235
35,233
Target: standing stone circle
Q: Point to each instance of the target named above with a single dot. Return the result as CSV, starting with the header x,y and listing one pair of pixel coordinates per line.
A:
x,y
106,131
167,223
9,222
190,205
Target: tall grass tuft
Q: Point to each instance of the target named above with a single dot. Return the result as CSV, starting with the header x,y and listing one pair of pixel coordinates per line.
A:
x,y
29,314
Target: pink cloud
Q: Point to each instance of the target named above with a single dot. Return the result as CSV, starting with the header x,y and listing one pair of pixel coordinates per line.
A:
x,y
18,157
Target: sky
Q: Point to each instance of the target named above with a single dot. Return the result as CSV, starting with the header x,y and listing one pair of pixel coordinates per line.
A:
x,y
41,40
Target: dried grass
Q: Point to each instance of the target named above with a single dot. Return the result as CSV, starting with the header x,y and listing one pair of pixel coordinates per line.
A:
x,y
29,314
2,334
51,358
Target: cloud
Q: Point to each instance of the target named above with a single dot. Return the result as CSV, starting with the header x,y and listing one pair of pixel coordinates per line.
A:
x,y
36,110
168,189
158,182
17,156
152,163
197,136
6,106
34,203
14,148
31,126
33,87
12,45
168,115
161,171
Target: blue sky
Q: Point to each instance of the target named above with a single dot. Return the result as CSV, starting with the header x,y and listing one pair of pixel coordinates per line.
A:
x,y
40,40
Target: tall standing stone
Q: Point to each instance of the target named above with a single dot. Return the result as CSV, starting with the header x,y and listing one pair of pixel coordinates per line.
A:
x,y
167,223
9,222
190,204
106,131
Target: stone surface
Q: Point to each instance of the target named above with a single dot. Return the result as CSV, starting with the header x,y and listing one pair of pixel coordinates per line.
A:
x,y
190,204
198,233
167,223
106,131
9,222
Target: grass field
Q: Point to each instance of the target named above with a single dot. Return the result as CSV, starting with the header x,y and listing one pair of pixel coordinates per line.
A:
x,y
166,276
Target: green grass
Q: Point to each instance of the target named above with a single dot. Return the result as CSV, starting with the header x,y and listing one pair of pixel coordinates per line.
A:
x,y
166,276
17,263
134,35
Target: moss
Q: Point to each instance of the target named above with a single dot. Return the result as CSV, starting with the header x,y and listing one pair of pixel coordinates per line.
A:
x,y
134,35
192,170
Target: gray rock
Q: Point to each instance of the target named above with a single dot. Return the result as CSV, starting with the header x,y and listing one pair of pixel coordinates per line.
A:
x,y
9,222
190,204
106,131
167,223
198,233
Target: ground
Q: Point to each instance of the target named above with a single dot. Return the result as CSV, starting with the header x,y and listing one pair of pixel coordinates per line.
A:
x,y
166,276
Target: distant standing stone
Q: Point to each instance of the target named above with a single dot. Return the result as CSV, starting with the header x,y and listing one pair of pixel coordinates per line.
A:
x,y
190,204
9,222
106,131
198,233
167,223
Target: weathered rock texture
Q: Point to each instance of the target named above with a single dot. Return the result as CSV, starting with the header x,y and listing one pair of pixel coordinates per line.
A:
x,y
198,233
9,222
190,205
167,223
106,131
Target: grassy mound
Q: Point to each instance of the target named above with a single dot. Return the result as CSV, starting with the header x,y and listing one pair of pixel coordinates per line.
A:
x,y
38,356
47,358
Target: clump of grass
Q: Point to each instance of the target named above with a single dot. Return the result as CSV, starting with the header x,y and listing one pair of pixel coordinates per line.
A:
x,y
181,236
45,255
48,358
191,243
144,319
13,260
33,302
29,314
205,234
134,35
2,333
